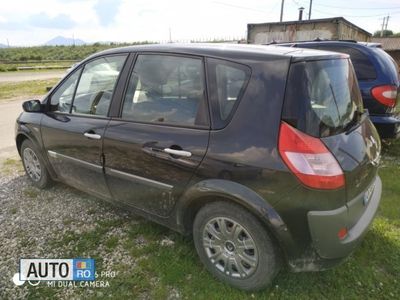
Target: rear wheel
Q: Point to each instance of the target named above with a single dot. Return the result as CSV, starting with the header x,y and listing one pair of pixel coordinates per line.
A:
x,y
34,165
235,247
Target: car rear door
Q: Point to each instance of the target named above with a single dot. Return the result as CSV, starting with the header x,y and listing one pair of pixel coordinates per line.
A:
x,y
324,101
160,137
73,127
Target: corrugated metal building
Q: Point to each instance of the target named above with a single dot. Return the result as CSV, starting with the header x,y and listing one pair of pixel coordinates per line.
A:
x,y
332,28
391,45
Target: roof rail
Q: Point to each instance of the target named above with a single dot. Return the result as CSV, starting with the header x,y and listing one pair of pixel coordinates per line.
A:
x,y
318,39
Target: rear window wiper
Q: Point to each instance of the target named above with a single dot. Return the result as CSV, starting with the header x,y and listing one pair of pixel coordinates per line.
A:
x,y
358,118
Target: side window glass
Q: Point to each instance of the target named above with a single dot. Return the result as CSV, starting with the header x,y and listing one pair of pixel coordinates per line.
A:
x,y
166,89
62,98
227,83
230,81
96,85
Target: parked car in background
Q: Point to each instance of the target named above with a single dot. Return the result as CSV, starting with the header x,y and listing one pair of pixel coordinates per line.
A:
x,y
264,155
378,78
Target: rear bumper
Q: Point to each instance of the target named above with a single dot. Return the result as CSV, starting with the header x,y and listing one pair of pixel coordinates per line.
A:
x,y
356,216
388,126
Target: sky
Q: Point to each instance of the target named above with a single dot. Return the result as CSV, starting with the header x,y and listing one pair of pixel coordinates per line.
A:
x,y
28,23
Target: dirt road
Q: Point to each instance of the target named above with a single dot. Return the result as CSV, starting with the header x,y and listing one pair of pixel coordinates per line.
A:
x,y
8,113
27,75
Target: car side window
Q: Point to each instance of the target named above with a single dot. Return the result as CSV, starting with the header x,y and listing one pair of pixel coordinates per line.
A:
x,y
166,89
96,85
362,65
227,81
62,98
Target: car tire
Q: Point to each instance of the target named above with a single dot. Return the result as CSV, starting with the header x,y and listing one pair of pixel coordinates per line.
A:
x,y
235,247
34,165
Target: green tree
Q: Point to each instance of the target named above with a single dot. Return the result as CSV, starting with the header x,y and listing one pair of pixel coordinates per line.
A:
x,y
386,33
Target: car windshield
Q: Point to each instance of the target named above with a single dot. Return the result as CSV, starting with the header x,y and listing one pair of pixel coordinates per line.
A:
x,y
322,97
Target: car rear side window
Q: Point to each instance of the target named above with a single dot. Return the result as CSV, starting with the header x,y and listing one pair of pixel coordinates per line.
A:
x,y
227,82
322,97
166,89
362,64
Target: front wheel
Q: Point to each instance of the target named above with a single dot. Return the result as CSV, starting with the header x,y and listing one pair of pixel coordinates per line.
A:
x,y
235,247
34,165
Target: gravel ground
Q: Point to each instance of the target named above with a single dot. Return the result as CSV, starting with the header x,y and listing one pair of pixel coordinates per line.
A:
x,y
36,223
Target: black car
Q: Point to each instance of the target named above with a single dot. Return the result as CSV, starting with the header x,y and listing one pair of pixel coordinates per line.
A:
x,y
264,156
378,79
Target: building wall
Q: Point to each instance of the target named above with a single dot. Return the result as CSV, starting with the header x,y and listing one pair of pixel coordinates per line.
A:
x,y
269,32
396,55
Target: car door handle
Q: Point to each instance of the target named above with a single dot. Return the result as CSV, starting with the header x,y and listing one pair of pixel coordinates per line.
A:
x,y
92,136
178,152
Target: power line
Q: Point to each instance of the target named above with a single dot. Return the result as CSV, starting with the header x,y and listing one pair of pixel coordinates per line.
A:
x,y
248,8
358,8
354,16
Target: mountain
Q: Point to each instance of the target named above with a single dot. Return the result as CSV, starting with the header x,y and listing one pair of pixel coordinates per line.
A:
x,y
3,46
61,40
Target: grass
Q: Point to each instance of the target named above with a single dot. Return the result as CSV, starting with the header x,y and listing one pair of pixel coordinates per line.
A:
x,y
31,192
12,90
10,67
10,165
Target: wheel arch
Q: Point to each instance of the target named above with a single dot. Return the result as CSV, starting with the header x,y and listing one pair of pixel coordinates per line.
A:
x,y
25,134
212,190
22,135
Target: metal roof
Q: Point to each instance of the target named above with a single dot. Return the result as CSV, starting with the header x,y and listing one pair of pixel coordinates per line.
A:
x,y
388,43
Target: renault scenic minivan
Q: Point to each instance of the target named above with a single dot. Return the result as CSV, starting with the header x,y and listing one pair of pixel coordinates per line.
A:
x,y
264,155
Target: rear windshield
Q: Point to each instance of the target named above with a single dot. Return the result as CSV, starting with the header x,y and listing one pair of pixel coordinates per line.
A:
x,y
363,66
322,97
391,70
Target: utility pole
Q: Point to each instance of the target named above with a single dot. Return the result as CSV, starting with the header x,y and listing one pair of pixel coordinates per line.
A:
x,y
309,11
387,21
282,4
383,25
170,35
8,43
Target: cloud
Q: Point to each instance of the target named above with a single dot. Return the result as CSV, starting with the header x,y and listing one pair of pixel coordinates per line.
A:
x,y
43,20
107,10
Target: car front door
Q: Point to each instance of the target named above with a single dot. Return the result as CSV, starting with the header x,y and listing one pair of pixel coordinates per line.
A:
x,y
153,149
73,127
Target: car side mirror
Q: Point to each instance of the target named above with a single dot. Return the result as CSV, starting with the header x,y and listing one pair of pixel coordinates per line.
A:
x,y
32,106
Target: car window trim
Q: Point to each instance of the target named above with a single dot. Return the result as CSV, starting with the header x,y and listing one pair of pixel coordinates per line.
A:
x,y
205,93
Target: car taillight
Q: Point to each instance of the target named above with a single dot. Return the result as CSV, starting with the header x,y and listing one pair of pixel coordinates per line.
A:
x,y
309,159
385,94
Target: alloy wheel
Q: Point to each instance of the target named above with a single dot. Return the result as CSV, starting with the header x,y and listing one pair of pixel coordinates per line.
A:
x,y
230,247
32,164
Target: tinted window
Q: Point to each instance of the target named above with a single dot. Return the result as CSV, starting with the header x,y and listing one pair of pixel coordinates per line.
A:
x,y
322,96
362,65
62,98
96,85
166,89
227,83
